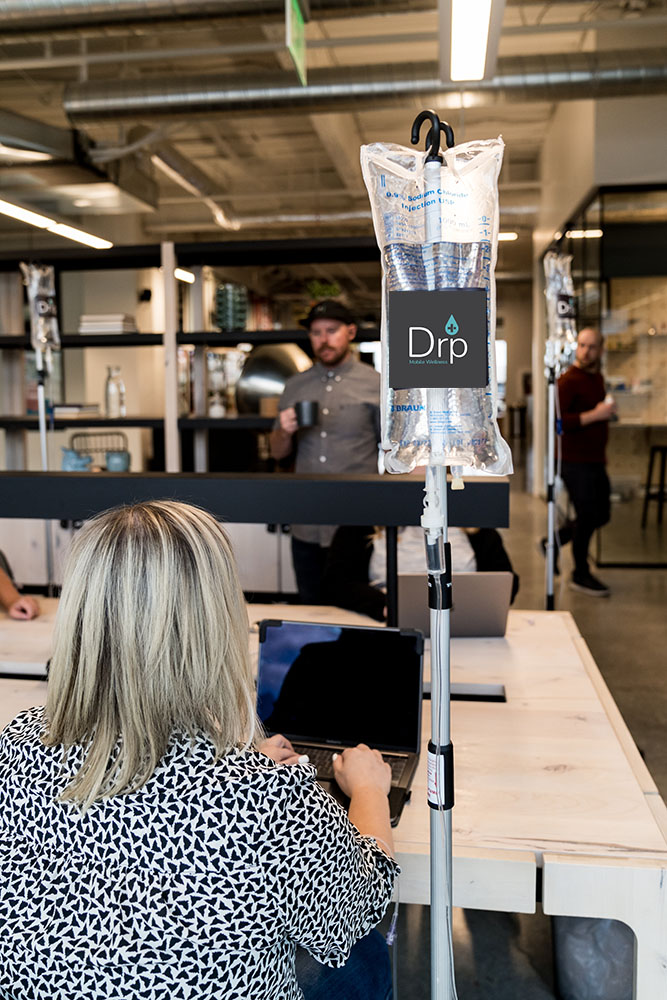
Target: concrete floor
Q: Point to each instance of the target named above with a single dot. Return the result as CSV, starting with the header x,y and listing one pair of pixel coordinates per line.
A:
x,y
507,956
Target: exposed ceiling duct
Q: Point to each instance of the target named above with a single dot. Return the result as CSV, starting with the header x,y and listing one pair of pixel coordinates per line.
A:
x,y
21,16
54,167
30,136
569,76
187,175
44,15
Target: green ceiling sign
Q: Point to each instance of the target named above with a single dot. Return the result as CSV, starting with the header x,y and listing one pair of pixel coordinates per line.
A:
x,y
295,37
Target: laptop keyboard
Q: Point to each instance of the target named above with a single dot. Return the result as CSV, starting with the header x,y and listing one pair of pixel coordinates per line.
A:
x,y
321,758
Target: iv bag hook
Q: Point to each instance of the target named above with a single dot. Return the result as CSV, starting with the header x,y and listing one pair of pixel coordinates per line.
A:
x,y
433,136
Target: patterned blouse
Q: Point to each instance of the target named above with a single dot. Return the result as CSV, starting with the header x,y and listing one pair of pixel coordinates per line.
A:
x,y
198,885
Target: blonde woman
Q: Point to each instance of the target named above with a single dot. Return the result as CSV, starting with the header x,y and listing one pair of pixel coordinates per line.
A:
x,y
151,844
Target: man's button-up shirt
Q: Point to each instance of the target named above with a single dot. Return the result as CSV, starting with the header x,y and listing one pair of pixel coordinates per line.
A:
x,y
345,439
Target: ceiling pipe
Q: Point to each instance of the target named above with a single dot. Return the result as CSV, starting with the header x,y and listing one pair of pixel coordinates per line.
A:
x,y
268,219
293,219
187,175
37,16
145,55
569,76
35,136
138,55
44,15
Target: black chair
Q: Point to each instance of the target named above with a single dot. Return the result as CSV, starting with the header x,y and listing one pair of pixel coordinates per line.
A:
x,y
655,493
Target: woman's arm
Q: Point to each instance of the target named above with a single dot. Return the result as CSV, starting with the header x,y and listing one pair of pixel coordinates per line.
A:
x,y
365,777
17,605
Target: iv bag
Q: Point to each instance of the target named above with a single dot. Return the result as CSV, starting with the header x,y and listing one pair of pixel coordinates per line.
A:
x,y
464,197
561,313
40,281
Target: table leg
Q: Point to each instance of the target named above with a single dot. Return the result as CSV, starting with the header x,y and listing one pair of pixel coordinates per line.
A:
x,y
628,889
647,494
661,485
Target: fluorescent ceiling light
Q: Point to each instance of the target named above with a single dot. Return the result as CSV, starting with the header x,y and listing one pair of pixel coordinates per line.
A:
x,y
182,275
51,226
25,215
583,234
469,33
507,237
79,236
23,155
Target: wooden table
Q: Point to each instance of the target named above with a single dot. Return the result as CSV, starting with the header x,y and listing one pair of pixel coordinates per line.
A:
x,y
548,782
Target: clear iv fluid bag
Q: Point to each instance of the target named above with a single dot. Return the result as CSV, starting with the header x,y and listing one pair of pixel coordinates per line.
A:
x,y
437,234
40,282
561,316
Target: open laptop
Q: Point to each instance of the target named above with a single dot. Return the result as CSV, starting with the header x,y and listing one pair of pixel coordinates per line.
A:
x,y
327,687
481,603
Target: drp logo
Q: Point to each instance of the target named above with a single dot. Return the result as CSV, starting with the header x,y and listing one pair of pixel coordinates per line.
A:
x,y
443,350
438,339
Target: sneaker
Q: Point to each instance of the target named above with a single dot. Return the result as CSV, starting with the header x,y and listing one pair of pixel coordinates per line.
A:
x,y
542,549
586,583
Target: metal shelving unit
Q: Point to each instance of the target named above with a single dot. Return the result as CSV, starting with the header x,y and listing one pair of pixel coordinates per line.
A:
x,y
167,255
30,422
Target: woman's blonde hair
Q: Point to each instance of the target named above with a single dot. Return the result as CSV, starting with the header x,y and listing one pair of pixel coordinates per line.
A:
x,y
151,638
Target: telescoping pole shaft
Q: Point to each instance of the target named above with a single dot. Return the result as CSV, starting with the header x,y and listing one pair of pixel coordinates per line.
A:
x,y
440,751
41,415
551,488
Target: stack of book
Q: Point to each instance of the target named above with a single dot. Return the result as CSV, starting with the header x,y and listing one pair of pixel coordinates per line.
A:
x,y
76,409
107,323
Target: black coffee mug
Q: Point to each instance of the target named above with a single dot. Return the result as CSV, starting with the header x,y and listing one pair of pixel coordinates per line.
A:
x,y
306,412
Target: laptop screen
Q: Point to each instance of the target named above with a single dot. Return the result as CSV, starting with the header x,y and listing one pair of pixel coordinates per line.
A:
x,y
341,684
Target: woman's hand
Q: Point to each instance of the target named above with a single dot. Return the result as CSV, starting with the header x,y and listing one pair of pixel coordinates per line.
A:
x,y
280,749
25,608
360,768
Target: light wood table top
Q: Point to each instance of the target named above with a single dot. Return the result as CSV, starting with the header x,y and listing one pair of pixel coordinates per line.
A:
x,y
553,769
550,778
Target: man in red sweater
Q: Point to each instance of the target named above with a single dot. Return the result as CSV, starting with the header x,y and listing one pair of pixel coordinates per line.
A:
x,y
585,420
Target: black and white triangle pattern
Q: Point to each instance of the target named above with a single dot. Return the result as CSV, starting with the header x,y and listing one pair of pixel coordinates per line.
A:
x,y
198,885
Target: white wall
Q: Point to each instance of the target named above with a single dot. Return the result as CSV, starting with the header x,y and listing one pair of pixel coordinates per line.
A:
x,y
566,167
23,541
514,304
113,291
631,140
11,303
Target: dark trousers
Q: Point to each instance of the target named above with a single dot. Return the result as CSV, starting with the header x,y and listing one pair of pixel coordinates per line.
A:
x,y
588,488
339,574
309,561
365,976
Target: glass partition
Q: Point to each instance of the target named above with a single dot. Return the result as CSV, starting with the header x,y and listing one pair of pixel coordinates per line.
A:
x,y
619,268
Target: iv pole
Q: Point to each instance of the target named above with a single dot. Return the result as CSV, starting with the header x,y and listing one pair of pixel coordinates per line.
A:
x,y
562,330
44,337
439,567
550,362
